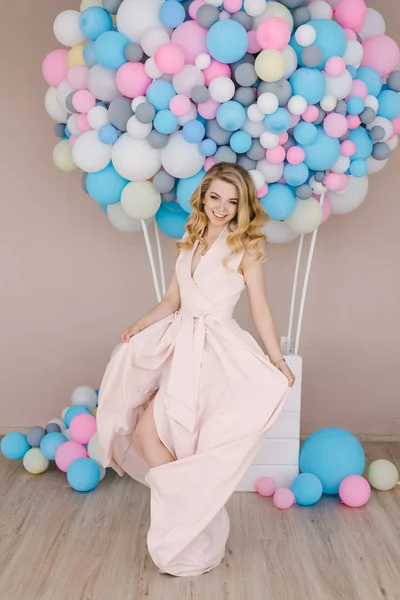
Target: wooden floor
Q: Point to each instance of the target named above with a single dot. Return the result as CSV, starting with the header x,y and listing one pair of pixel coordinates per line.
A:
x,y
57,544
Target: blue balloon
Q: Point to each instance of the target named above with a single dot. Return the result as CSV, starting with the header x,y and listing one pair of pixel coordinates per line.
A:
x,y
352,71
83,474
172,206
73,411
109,49
355,105
307,489
49,444
358,167
67,132
331,40
194,131
108,134
160,93
240,142
309,83
14,445
363,141
105,186
171,223
165,121
231,115
305,133
279,121
227,41
94,21
208,147
323,152
279,202
331,454
296,175
186,188
371,78
89,54
389,104
171,13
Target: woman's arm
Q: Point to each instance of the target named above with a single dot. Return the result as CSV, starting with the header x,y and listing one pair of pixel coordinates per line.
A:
x,y
261,313
168,305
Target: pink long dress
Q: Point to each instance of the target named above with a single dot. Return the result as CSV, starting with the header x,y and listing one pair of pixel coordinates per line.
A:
x,y
217,396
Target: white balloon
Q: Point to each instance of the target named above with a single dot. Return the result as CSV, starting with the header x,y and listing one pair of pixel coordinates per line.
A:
x,y
290,56
340,86
333,3
254,8
214,2
317,186
306,217
297,105
136,101
84,395
187,79
94,448
328,103
385,124
72,125
341,165
305,35
353,54
153,39
135,17
272,173
121,220
255,114
64,412
352,198
372,102
374,166
90,154
67,28
269,140
140,200
203,61
278,232
258,178
393,142
180,158
224,15
151,69
268,103
221,89
53,108
255,130
59,422
320,9
101,82
374,24
135,160
67,434
138,130
62,156
190,116
274,9
97,117
63,90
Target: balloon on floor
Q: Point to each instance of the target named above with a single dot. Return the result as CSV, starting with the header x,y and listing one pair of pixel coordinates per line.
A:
x,y
148,94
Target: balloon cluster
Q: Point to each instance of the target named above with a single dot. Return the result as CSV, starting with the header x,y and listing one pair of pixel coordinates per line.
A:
x,y
152,93
332,461
70,441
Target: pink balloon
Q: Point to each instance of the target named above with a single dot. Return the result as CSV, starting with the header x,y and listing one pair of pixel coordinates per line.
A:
x,y
354,491
254,45
335,125
347,148
263,191
232,6
353,121
350,34
310,114
77,77
284,498
396,125
273,33
67,453
194,7
216,69
351,14
294,120
380,53
209,162
326,209
191,38
335,181
170,59
180,105
83,101
359,89
295,155
283,138
266,486
82,123
82,428
55,68
276,156
208,110
132,80
335,66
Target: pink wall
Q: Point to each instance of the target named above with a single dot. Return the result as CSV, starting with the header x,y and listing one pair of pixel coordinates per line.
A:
x,y
71,282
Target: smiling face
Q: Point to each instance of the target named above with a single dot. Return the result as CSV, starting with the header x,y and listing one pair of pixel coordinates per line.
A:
x,y
221,202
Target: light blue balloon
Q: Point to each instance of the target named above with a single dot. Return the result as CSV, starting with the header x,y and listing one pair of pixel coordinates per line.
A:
x,y
279,202
307,489
171,13
171,223
109,49
106,186
89,54
355,105
331,454
160,93
227,41
358,167
296,175
14,445
83,474
363,141
279,121
330,39
322,153
240,142
208,147
73,411
309,83
165,121
194,131
108,134
94,21
371,78
352,71
49,444
231,115
172,206
389,104
67,132
305,133
186,188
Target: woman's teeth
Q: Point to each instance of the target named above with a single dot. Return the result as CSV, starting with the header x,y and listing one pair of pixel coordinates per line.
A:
x,y
218,216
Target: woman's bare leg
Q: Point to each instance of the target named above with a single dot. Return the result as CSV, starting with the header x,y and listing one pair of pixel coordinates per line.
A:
x,y
153,449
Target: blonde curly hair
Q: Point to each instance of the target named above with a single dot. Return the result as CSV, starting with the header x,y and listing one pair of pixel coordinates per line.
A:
x,y
248,221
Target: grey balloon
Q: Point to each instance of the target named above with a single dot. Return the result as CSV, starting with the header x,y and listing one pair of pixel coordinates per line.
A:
x,y
207,15
216,133
119,112
256,152
145,112
293,3
289,144
380,151
321,116
163,182
341,107
68,103
311,56
304,191
246,75
393,81
245,96
344,137
169,196
112,6
367,115
282,89
377,133
157,140
200,94
319,176
245,162
225,154
301,16
34,436
244,19
133,52
83,181
59,129
53,428
358,37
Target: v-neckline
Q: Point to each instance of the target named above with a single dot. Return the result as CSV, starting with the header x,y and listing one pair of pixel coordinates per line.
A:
x,y
202,258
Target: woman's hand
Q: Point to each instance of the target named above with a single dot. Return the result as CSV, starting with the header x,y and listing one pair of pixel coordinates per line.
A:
x,y
130,332
283,367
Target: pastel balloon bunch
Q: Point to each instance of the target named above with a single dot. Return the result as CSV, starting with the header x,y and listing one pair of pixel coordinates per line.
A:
x,y
149,94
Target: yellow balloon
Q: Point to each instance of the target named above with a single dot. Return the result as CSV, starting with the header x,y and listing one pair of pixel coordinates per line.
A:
x,y
88,3
62,156
94,411
270,65
34,461
306,217
383,475
274,9
75,56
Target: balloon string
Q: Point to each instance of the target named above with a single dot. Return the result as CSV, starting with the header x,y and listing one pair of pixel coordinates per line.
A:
x,y
160,259
294,292
151,259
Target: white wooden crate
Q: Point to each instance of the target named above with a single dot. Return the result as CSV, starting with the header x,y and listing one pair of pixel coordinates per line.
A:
x,y
278,456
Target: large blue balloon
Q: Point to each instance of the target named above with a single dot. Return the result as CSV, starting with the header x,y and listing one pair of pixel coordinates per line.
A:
x,y
332,454
171,13
89,54
171,223
363,141
165,121
323,152
389,104
186,188
279,202
83,474
109,49
279,121
371,78
296,175
94,21
227,41
160,93
309,83
231,115
14,445
331,40
307,489
49,444
105,186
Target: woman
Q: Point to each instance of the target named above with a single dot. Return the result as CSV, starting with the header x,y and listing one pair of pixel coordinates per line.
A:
x,y
185,403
